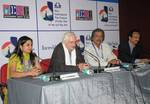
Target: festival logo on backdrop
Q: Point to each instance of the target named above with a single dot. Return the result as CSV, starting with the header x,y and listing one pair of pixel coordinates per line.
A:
x,y
15,11
8,46
83,41
107,14
104,14
108,17
47,12
54,14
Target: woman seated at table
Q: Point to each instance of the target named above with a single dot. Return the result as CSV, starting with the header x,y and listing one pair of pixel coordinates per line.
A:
x,y
23,62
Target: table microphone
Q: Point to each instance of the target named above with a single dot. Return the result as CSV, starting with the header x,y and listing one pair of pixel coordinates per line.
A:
x,y
99,69
53,77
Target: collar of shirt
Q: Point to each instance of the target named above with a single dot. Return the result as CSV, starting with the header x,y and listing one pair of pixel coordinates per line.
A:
x,y
131,47
70,57
99,51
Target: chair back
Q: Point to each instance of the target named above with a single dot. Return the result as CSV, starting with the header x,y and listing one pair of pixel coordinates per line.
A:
x,y
115,51
3,74
45,64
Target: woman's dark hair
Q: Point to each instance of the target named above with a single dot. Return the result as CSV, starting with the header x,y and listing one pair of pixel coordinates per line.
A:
x,y
19,52
97,30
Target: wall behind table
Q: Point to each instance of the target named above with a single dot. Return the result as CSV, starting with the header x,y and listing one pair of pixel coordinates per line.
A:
x,y
45,21
131,17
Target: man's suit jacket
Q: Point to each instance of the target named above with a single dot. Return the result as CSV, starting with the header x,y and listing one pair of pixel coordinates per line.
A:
x,y
58,60
125,55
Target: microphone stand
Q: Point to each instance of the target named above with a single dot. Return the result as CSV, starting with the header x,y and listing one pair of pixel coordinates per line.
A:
x,y
99,69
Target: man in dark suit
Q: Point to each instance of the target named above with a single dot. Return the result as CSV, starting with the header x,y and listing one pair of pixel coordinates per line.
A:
x,y
66,56
130,51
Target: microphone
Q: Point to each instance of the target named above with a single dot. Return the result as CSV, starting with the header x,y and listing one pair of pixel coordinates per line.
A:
x,y
46,63
99,69
53,76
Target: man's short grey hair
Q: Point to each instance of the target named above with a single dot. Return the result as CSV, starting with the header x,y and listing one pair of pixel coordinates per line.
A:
x,y
67,35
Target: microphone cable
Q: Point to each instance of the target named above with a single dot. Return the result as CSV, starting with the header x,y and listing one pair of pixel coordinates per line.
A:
x,y
99,69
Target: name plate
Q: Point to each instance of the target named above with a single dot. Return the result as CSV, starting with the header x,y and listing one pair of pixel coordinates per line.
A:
x,y
69,76
112,69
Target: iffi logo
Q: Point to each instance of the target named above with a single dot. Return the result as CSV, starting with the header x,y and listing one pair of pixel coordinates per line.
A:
x,y
57,5
82,41
47,12
15,11
104,14
8,46
84,14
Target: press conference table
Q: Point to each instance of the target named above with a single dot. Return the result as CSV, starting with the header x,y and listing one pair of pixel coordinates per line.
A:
x,y
122,87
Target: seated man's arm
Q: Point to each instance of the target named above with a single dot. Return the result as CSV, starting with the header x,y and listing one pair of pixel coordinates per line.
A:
x,y
123,55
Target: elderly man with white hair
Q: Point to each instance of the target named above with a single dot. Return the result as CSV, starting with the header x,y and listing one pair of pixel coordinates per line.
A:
x,y
66,56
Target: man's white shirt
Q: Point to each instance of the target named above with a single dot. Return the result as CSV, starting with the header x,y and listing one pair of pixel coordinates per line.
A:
x,y
103,53
70,59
